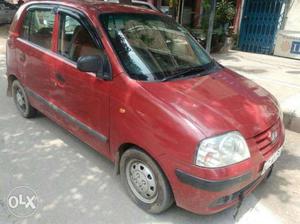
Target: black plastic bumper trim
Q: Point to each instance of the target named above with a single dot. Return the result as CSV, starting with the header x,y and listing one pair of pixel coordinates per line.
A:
x,y
210,185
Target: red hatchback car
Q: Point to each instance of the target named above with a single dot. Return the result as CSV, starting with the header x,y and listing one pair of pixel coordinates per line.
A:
x,y
136,86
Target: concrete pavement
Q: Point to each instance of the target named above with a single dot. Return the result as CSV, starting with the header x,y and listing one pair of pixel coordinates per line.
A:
x,y
75,184
280,76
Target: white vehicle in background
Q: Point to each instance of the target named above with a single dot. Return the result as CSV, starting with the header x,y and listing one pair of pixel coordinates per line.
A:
x,y
146,5
142,4
7,12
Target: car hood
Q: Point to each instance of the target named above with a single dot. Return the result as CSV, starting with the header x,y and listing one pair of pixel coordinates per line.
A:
x,y
219,102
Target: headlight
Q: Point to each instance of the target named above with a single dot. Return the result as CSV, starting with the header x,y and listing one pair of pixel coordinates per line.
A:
x,y
222,150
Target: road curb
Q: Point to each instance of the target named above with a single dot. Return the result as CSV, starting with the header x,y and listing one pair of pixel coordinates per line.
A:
x,y
291,113
291,121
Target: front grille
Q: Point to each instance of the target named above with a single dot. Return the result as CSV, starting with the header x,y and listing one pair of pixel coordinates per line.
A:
x,y
267,140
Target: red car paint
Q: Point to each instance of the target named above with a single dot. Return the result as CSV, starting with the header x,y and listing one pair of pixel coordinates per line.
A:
x,y
166,119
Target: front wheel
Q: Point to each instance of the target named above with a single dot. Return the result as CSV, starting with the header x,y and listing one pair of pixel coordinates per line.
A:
x,y
144,181
21,100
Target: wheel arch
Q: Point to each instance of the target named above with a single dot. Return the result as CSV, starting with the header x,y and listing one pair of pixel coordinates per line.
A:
x,y
126,146
123,148
10,79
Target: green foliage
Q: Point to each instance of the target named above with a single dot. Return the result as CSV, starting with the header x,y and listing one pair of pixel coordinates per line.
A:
x,y
225,12
206,5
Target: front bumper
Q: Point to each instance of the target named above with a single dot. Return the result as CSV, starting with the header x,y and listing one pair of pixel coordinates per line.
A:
x,y
206,196
226,201
208,185
208,191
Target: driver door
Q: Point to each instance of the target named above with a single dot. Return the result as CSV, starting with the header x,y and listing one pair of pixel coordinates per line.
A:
x,y
81,98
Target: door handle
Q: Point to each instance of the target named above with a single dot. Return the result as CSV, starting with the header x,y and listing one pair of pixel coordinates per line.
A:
x,y
60,78
22,57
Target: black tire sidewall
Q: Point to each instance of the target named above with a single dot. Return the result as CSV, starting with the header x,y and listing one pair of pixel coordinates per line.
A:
x,y
164,199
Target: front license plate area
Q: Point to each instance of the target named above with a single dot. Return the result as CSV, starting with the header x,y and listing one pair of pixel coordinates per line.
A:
x,y
271,161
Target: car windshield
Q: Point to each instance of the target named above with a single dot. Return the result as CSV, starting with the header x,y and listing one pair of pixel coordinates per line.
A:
x,y
153,47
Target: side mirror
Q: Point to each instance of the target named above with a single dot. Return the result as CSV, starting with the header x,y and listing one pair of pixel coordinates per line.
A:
x,y
95,64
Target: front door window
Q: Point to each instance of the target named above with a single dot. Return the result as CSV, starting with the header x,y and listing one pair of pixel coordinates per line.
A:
x,y
75,40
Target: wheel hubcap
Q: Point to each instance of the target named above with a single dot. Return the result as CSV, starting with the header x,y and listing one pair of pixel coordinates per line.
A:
x,y
141,181
20,100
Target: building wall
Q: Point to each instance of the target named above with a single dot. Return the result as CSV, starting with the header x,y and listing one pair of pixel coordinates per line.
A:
x,y
12,1
293,17
288,40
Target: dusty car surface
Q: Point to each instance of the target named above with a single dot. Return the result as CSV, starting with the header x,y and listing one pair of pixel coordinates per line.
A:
x,y
136,86
7,12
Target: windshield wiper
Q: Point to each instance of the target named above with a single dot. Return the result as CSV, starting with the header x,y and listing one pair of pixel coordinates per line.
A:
x,y
184,72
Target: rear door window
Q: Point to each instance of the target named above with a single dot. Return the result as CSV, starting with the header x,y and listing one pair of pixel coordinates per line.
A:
x,y
38,27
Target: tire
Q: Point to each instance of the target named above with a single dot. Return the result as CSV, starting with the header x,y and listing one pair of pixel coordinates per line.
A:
x,y
144,182
21,100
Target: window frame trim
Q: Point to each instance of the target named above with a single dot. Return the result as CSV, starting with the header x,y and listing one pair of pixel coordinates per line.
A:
x,y
56,8
95,33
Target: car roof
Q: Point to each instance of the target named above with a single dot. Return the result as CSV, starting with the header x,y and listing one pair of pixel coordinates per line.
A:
x,y
97,6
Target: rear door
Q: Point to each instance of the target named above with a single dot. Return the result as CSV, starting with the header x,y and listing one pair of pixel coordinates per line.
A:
x,y
34,50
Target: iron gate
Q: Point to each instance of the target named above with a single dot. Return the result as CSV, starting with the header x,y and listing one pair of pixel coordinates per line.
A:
x,y
260,22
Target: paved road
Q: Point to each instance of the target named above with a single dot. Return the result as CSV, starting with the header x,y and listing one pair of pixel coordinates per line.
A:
x,y
75,184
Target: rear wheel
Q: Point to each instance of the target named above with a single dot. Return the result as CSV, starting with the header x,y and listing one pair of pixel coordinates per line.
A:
x,y
21,100
144,181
